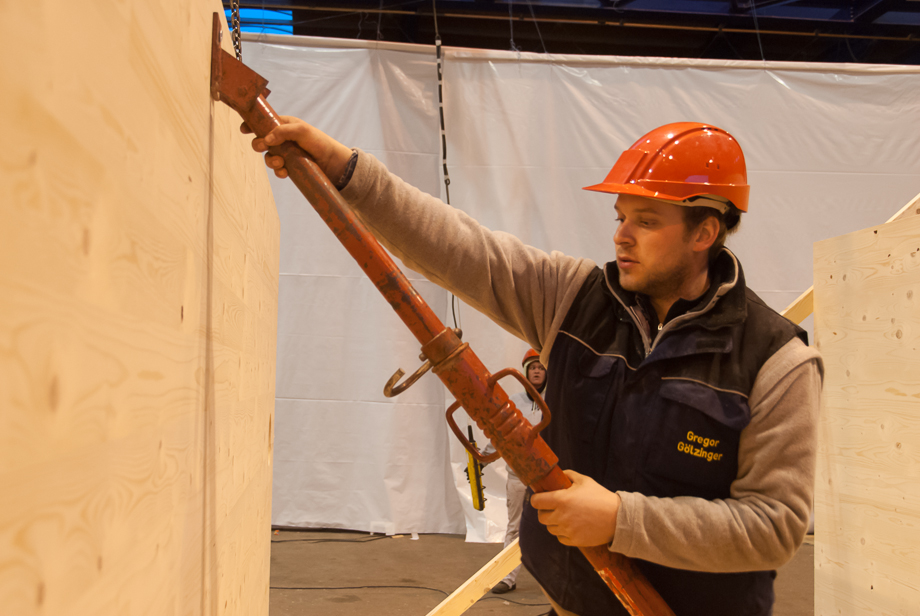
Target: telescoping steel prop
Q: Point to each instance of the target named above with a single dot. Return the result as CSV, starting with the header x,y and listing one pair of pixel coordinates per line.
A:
x,y
461,371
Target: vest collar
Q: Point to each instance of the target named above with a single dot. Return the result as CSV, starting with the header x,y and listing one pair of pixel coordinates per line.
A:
x,y
726,307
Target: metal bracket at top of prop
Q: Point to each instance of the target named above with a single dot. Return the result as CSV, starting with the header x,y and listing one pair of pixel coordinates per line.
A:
x,y
232,82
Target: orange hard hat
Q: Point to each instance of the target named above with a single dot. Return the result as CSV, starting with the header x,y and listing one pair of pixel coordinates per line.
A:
x,y
676,162
530,357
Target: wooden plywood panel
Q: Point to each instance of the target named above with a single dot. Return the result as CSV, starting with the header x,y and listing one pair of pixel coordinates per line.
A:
x,y
867,507
138,310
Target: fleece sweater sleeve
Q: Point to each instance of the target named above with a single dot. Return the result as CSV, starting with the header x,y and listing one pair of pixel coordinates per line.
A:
x,y
523,289
765,520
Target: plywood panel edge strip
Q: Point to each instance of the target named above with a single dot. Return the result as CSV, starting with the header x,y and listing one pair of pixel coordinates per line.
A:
x,y
902,213
471,590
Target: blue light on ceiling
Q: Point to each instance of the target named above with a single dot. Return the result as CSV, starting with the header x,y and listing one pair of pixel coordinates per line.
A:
x,y
264,21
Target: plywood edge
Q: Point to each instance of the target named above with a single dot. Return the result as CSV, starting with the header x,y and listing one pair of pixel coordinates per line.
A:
x,y
474,588
801,308
804,304
907,210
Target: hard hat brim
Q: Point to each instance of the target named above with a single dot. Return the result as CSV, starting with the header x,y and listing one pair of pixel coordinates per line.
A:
x,y
675,191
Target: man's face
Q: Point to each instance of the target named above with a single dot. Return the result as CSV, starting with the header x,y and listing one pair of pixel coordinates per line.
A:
x,y
536,374
653,251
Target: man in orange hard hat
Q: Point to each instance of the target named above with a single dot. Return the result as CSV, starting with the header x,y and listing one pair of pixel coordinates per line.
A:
x,y
684,408
515,489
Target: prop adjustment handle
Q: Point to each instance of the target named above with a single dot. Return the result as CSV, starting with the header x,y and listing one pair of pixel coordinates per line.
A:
x,y
492,457
534,395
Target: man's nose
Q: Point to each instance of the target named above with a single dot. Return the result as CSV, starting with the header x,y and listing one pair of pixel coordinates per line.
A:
x,y
623,234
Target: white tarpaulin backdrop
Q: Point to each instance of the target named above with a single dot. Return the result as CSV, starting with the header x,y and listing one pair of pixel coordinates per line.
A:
x,y
830,149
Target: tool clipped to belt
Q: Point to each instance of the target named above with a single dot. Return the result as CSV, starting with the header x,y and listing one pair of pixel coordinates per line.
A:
x,y
461,371
474,475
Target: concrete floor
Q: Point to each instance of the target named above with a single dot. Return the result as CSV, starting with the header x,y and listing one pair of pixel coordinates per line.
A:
x,y
340,573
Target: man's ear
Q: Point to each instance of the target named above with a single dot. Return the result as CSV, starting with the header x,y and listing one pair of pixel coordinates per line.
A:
x,y
706,234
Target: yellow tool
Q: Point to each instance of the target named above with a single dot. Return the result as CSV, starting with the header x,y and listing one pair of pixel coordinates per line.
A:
x,y
474,475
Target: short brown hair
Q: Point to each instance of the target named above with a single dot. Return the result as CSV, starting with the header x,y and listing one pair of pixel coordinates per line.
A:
x,y
728,224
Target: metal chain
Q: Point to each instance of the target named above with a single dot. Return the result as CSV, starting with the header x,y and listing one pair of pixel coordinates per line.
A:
x,y
235,29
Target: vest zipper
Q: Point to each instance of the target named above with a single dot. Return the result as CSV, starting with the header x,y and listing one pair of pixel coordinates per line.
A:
x,y
654,341
649,345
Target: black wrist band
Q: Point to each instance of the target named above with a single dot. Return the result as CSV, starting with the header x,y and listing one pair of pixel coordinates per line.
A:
x,y
349,170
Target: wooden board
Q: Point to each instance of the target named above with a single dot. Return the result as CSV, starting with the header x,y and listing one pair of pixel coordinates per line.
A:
x,y
867,502
482,582
138,313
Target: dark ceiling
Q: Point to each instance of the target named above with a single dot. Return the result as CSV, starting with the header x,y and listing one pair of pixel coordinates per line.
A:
x,y
868,31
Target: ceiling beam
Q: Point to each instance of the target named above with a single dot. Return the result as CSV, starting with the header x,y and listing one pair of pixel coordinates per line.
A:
x,y
864,11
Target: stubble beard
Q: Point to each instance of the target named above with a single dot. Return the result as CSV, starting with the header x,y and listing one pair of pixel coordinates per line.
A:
x,y
660,284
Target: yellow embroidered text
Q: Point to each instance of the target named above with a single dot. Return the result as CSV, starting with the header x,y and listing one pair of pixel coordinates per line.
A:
x,y
700,452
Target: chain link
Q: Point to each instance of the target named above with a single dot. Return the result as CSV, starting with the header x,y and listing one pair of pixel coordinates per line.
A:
x,y
235,29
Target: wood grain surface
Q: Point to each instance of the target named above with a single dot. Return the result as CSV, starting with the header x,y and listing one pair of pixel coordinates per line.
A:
x,y
139,251
867,502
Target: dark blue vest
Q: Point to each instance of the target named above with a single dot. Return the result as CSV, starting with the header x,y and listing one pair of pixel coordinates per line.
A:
x,y
662,420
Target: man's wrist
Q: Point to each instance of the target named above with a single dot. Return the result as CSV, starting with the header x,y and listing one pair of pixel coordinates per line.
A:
x,y
613,521
345,177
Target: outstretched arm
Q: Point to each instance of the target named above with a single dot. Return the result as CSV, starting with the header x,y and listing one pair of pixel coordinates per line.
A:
x,y
523,289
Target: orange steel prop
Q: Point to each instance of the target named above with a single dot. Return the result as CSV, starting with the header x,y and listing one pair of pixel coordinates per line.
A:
x,y
453,361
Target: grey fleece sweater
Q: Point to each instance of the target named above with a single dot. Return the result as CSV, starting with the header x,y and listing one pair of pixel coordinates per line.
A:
x,y
528,292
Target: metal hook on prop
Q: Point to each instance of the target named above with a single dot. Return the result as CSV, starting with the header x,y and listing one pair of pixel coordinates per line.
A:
x,y
392,389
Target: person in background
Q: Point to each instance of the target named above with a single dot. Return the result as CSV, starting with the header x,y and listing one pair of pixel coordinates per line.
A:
x,y
514,488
